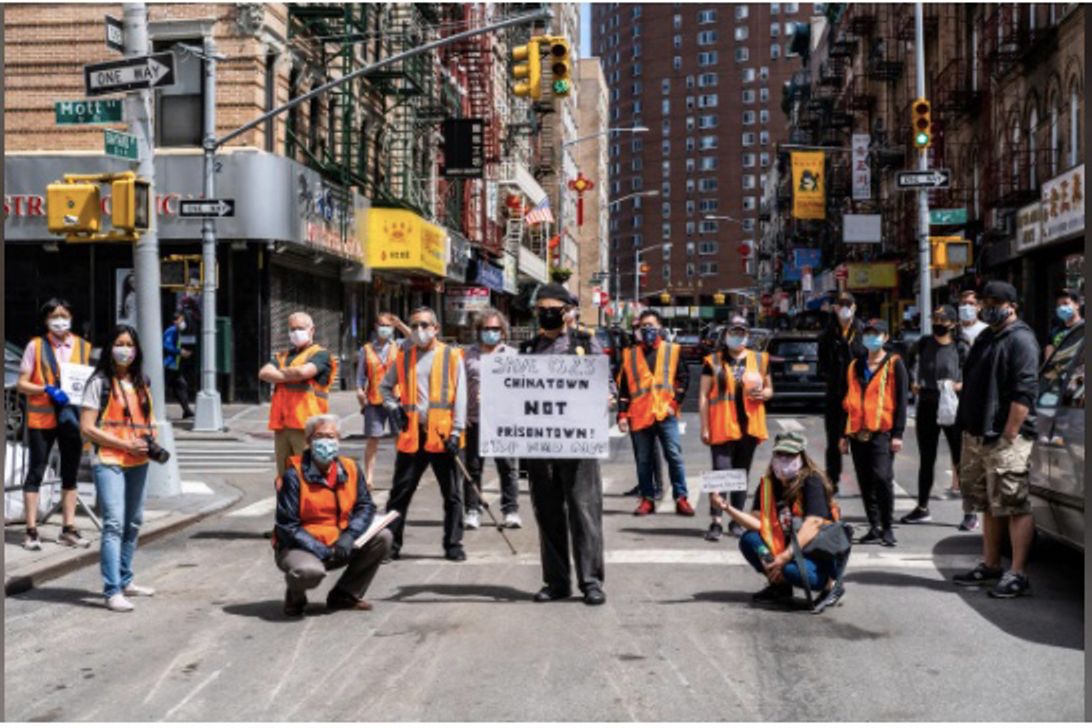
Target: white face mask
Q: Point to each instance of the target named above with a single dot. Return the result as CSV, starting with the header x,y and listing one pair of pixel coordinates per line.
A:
x,y
423,337
786,467
181,325
968,313
123,355
845,313
60,325
300,337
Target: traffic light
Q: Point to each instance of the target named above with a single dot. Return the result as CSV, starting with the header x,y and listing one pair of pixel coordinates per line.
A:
x,y
130,204
560,67
528,69
665,298
922,123
950,251
718,299
72,208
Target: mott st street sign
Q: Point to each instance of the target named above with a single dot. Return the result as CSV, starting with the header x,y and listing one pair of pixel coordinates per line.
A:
x,y
933,179
206,208
107,111
142,72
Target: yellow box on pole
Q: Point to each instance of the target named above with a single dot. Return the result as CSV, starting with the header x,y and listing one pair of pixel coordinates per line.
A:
x,y
131,208
73,208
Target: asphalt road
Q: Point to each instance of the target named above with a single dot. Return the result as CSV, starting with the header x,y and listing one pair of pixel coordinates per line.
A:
x,y
677,640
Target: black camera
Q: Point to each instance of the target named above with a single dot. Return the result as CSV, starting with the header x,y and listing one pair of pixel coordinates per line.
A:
x,y
155,452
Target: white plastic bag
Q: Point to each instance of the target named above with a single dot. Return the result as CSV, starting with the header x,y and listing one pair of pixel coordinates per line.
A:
x,y
949,403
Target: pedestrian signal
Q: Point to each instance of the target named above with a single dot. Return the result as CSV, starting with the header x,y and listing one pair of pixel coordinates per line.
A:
x,y
131,204
950,251
922,123
72,208
528,69
560,66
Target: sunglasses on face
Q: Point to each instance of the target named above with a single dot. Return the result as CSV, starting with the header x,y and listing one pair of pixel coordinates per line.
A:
x,y
420,325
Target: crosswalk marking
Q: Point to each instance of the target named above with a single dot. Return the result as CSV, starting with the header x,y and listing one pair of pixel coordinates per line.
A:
x,y
790,425
236,458
259,508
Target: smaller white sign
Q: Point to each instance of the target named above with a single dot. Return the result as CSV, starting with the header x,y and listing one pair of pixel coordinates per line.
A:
x,y
721,481
73,380
862,228
1029,226
862,173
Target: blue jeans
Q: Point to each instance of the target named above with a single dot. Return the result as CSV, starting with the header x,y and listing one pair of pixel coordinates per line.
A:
x,y
121,497
644,441
818,572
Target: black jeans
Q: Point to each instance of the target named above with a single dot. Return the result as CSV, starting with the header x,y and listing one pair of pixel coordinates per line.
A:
x,y
40,442
834,421
408,469
874,463
928,438
177,382
731,455
475,463
567,497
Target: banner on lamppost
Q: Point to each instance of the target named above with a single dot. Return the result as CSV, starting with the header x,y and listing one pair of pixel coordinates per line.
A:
x,y
808,186
862,173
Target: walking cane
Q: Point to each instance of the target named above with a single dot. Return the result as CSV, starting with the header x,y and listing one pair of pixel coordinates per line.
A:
x,y
484,502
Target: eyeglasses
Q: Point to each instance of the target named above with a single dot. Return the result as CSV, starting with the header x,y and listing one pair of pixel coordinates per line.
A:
x,y
420,325
491,328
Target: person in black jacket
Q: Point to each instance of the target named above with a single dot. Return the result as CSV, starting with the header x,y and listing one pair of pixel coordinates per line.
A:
x,y
838,346
997,414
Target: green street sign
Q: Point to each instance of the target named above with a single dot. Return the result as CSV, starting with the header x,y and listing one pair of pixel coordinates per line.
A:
x,y
107,111
956,216
120,145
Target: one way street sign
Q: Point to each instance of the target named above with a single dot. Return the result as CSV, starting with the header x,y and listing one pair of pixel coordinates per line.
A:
x,y
206,208
142,72
935,179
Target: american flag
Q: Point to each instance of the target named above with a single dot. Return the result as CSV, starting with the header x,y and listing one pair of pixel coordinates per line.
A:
x,y
540,213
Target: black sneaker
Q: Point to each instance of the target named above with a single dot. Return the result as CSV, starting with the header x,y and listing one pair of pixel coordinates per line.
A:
x,y
888,538
873,536
392,555
635,490
658,494
969,522
979,575
773,594
918,515
1011,585
735,529
455,553
548,594
828,599
715,532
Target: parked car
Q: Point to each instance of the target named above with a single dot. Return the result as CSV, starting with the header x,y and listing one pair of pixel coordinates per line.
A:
x,y
1056,473
692,351
794,367
816,321
759,339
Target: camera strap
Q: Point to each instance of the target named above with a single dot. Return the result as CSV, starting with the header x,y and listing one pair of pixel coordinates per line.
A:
x,y
124,402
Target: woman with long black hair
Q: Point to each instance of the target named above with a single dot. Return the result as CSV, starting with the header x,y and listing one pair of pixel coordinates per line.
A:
x,y
117,418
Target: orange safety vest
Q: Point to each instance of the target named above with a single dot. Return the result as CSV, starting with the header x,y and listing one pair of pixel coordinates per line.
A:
x,y
295,402
871,410
723,421
770,530
652,395
325,511
115,422
375,368
41,414
442,383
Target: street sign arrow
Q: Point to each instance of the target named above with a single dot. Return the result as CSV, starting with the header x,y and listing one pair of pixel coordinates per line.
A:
x,y
142,72
206,208
926,178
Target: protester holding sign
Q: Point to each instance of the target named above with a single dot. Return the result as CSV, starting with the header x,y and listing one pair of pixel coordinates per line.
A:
x,y
735,386
567,493
52,418
651,385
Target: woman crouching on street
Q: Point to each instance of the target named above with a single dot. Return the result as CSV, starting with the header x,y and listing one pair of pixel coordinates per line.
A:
x,y
793,487
117,418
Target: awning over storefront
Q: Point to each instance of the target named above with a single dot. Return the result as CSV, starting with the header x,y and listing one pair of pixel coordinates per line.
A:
x,y
399,240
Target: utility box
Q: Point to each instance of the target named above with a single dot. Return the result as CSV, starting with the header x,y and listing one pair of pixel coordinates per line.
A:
x,y
225,354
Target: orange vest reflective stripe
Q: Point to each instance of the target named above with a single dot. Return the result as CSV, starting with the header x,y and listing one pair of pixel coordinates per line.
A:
x,y
652,394
375,369
325,511
770,529
442,381
723,419
872,410
41,414
294,402
114,422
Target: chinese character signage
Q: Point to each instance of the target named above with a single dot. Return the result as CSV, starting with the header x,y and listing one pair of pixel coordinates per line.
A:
x,y
808,190
1063,205
400,240
1029,226
862,173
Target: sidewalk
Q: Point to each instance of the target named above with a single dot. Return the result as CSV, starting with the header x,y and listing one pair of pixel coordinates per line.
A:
x,y
242,421
24,569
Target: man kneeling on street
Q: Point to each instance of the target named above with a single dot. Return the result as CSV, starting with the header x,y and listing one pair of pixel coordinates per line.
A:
x,y
323,507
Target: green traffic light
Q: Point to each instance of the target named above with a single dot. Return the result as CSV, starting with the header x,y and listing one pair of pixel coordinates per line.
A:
x,y
561,86
921,139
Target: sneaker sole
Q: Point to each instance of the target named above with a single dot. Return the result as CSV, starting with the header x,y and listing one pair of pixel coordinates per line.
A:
x,y
996,595
909,522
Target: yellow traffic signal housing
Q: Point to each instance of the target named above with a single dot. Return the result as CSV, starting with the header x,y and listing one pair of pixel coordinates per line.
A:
x,y
528,69
131,204
560,66
72,208
950,251
665,297
921,123
718,299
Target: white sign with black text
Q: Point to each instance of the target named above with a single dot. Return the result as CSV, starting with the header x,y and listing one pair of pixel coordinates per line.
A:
x,y
720,481
545,407
74,379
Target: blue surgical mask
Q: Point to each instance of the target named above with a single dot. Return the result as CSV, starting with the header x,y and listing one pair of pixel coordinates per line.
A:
x,y
968,312
324,449
491,338
872,342
650,336
385,332
1065,312
736,342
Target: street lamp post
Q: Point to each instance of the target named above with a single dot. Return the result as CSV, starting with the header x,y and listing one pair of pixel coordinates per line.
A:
x,y
637,267
729,218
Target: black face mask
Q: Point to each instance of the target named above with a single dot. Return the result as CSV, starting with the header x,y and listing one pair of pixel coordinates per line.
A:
x,y
942,329
550,319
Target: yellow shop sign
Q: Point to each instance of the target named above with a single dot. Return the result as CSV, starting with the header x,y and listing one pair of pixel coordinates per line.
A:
x,y
401,240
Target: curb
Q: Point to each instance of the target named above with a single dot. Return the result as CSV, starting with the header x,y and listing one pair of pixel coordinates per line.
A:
x,y
53,569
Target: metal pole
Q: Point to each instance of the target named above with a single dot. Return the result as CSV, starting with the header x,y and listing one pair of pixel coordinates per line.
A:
x,y
209,416
925,294
636,276
163,480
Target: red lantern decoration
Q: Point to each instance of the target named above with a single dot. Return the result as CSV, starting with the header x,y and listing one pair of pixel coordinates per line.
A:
x,y
744,250
580,185
513,202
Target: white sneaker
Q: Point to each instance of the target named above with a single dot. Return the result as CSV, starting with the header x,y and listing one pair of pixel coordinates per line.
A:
x,y
473,520
138,591
118,603
512,520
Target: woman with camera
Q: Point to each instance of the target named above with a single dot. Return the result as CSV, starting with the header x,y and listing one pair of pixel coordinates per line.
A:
x,y
117,419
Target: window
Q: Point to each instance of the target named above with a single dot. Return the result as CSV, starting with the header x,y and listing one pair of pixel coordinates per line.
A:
x,y
741,12
636,11
638,240
667,272
676,63
708,142
637,184
665,209
636,145
689,207
707,79
1074,126
748,224
636,50
791,8
708,164
707,184
689,186
708,268
741,33
690,144
775,8
708,101
180,108
637,164
689,83
762,181
764,117
638,203
689,103
708,205
765,160
690,123
764,73
707,247
748,117
705,227
775,51
637,220
749,159
636,70
708,121
637,106
790,28
665,189
665,86
676,22
707,37
666,127
764,95
742,54
748,181
637,88
748,138
676,41
689,165
665,231
665,147
690,249
707,58
748,75
749,96
764,138
665,167
689,228
707,16
689,270
775,30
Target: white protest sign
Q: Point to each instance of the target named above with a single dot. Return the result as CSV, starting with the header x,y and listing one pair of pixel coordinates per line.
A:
x,y
548,406
720,481
73,379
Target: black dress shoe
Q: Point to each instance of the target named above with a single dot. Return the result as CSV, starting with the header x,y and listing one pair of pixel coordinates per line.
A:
x,y
635,490
392,555
594,596
546,594
455,553
294,604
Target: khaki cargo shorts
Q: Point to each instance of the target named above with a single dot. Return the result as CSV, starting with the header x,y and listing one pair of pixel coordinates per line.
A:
x,y
994,478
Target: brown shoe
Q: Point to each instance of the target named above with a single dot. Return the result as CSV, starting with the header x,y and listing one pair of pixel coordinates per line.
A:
x,y
293,605
338,599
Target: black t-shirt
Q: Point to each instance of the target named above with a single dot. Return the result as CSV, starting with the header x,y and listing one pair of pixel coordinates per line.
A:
x,y
734,368
812,492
